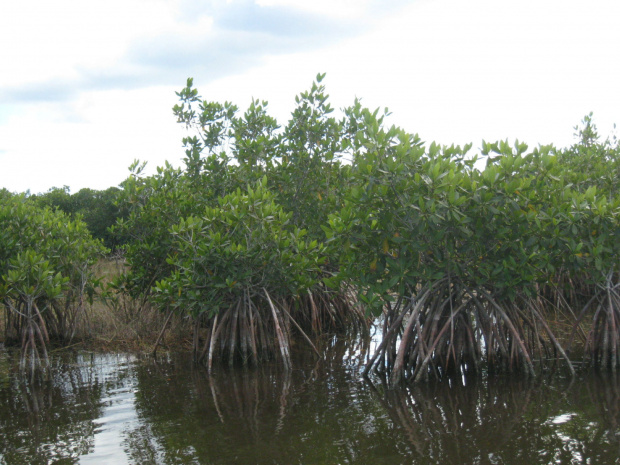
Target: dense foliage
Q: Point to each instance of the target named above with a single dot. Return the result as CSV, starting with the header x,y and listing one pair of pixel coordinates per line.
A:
x,y
269,233
234,238
466,263
97,209
45,274
460,258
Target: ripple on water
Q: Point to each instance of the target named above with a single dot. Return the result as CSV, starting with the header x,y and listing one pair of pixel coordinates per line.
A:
x,y
118,416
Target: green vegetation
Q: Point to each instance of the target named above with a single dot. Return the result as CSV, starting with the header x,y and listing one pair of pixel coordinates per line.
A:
x,y
45,275
98,209
459,257
234,240
266,235
241,262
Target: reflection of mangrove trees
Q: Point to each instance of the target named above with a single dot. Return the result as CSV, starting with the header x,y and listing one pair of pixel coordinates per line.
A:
x,y
317,413
48,420
171,412
505,420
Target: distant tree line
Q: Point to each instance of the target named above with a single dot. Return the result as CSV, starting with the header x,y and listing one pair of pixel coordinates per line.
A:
x,y
97,208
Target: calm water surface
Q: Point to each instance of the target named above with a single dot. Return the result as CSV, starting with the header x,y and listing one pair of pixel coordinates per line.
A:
x,y
115,409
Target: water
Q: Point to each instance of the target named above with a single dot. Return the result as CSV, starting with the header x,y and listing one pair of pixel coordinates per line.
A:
x,y
116,409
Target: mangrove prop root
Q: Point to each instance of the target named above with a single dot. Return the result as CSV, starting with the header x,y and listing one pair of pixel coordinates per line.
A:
x,y
161,333
452,328
256,326
284,348
603,341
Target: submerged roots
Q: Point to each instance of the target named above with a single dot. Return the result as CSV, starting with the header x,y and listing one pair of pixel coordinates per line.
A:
x,y
443,329
602,346
448,327
258,327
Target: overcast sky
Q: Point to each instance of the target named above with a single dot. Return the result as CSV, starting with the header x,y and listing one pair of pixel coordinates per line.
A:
x,y
86,87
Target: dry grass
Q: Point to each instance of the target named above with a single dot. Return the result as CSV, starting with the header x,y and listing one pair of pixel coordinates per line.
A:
x,y
117,322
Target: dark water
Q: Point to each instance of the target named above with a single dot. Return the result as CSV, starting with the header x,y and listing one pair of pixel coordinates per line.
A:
x,y
115,409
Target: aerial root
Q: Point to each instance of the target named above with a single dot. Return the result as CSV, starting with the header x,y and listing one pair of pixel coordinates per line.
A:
x,y
447,327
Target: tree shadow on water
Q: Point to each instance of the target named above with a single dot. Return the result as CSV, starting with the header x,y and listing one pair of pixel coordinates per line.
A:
x,y
507,420
51,419
315,413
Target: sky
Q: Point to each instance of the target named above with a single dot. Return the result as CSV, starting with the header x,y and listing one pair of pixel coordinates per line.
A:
x,y
87,87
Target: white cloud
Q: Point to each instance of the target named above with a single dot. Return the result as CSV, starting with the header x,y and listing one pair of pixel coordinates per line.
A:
x,y
62,38
462,71
86,87
336,8
92,143
74,48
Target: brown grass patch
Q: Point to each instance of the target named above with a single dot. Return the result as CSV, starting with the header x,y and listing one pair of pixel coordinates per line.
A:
x,y
115,321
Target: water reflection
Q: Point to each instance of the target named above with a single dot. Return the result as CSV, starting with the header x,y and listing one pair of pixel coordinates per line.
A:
x,y
508,420
115,409
51,420
318,413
